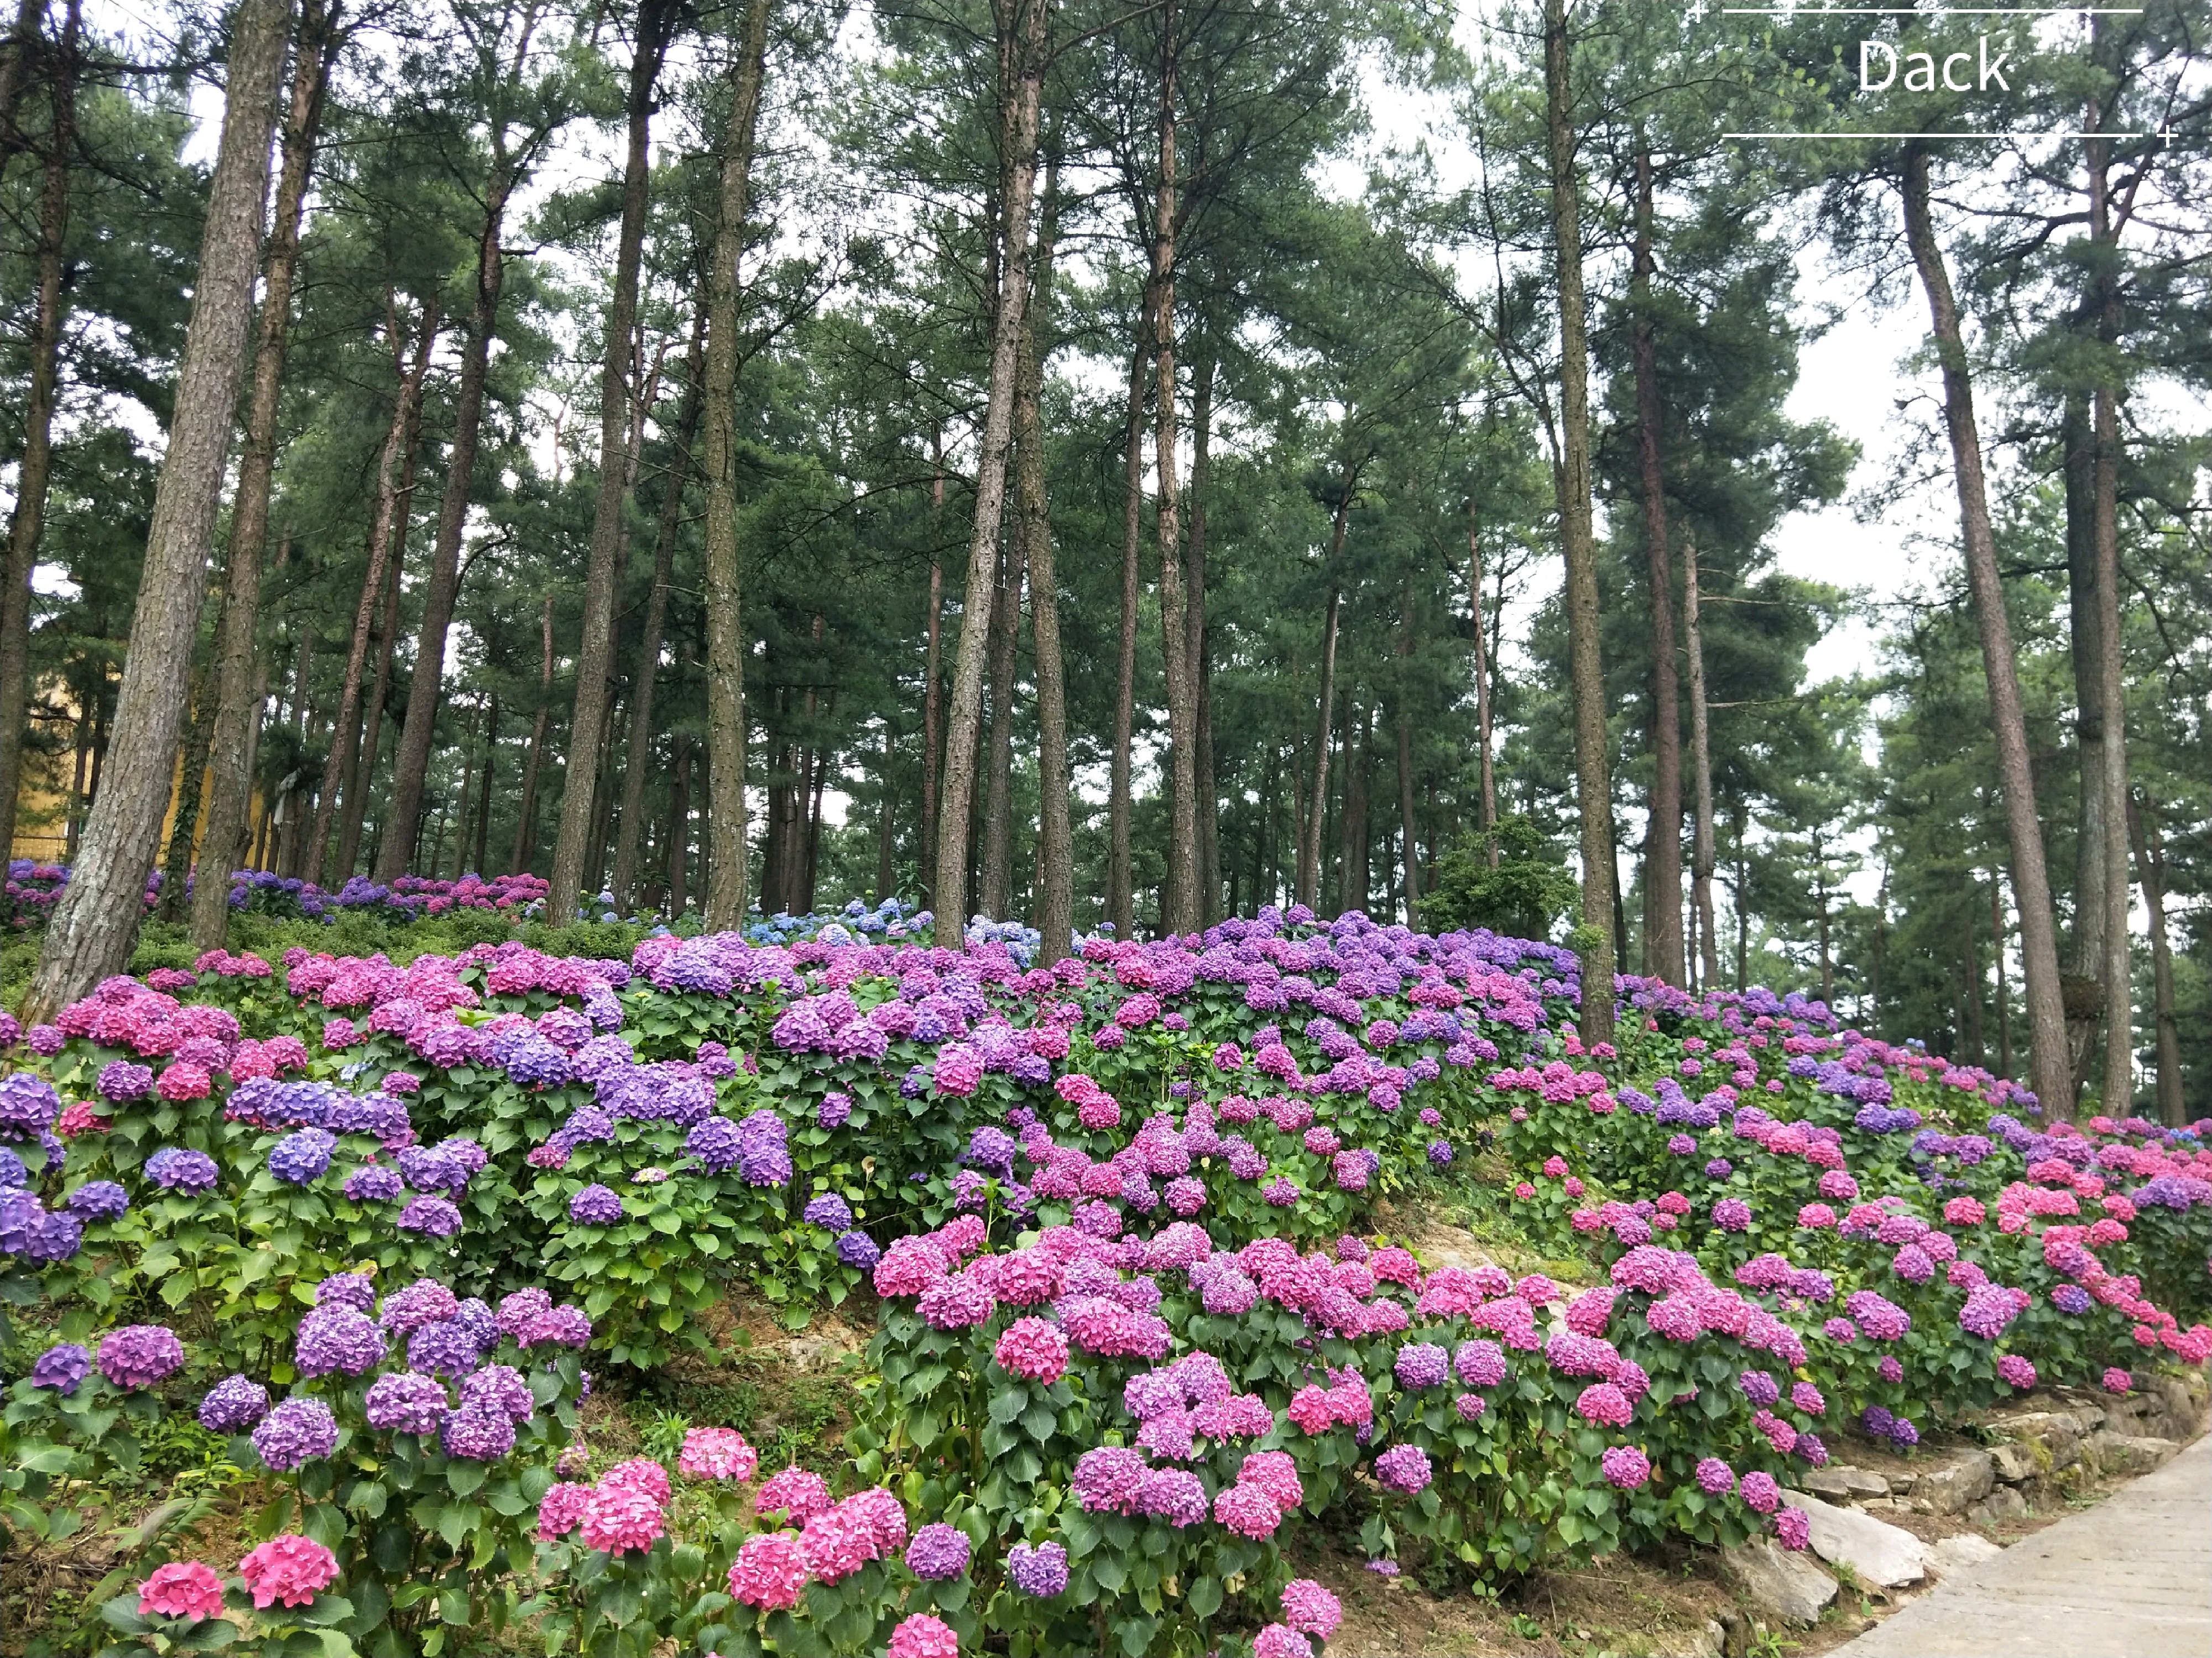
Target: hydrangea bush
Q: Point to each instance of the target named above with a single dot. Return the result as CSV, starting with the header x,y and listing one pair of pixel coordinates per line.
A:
x,y
1119,1215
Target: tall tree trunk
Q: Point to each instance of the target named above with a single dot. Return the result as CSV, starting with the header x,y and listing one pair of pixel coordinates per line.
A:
x,y
525,823
2119,1092
1183,909
356,807
1053,901
1121,896
184,821
1205,789
1489,803
1309,833
587,722
965,714
726,633
348,771
230,780
679,822
90,935
1663,868
480,835
474,759
27,523
1405,723
2030,887
1701,859
998,888
639,758
18,61
2150,866
932,687
884,881
1358,767
2082,988
1593,777
2004,993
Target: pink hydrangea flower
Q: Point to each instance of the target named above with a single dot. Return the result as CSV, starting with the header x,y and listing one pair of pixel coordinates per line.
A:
x,y
1248,1511
1279,1640
1035,1348
182,1588
1310,1607
768,1572
1794,1527
620,1519
1275,1473
800,1491
717,1454
2117,1381
639,1473
288,1569
923,1636
561,1511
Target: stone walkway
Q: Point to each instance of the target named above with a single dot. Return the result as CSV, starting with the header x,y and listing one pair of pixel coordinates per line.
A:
x,y
2129,1578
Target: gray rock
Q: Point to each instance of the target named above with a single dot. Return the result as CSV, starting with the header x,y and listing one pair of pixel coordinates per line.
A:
x,y
2012,1463
2050,1439
1877,1552
1961,1482
1781,1582
1859,1482
1901,1484
1966,1549
2128,1453
1826,1481
2005,1503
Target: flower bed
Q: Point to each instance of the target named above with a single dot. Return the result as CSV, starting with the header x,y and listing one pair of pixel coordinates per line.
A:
x,y
1136,1319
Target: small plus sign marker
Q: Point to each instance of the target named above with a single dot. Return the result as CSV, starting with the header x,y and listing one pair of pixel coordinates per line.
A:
x,y
1697,12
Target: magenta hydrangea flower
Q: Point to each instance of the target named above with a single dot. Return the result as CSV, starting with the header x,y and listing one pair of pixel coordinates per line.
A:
x,y
1761,1493
1715,1477
1792,1528
1625,1466
140,1355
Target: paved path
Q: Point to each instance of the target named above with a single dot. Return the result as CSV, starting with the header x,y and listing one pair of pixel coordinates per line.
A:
x,y
2129,1578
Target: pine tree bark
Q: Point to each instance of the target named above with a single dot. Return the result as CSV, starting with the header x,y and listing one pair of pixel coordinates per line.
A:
x,y
1593,774
679,824
184,821
725,633
90,935
2082,986
965,716
480,835
27,524
230,745
1184,909
526,822
2031,885
998,888
932,690
1310,837
1121,878
1205,789
349,770
1054,900
18,56
1702,856
638,760
2118,1093
1663,868
2151,869
1489,803
588,721
1405,724
354,808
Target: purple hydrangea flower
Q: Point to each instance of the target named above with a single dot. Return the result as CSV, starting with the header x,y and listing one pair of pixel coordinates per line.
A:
x,y
180,1171
857,1248
121,1081
596,1205
352,1289
1422,1364
301,1158
717,1143
832,1114
339,1338
140,1355
517,1309
478,1433
445,1348
28,1105
829,1211
937,1552
404,1402
374,1184
434,1217
98,1199
62,1367
1040,1572
234,1405
500,1387
426,1300
297,1432
1715,1477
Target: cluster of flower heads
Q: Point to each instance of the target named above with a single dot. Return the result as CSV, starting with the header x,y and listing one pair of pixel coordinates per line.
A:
x,y
288,1570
